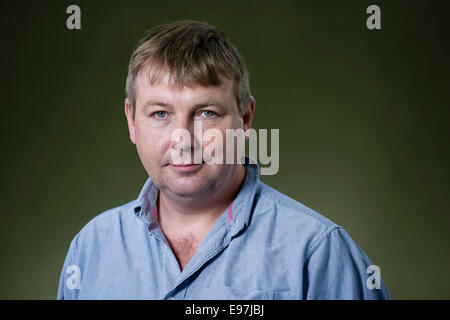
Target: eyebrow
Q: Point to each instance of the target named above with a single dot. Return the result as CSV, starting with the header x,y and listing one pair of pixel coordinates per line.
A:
x,y
151,103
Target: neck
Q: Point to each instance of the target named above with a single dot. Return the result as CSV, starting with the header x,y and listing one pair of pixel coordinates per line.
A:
x,y
199,214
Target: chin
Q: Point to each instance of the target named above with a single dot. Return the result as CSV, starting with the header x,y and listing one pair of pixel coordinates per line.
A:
x,y
190,188
186,192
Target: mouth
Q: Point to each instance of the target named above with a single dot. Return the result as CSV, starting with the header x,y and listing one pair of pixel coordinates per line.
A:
x,y
186,167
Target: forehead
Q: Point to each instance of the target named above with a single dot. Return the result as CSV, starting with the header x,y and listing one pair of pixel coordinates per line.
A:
x,y
165,90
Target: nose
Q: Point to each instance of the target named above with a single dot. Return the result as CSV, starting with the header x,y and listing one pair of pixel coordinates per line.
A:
x,y
183,136
181,142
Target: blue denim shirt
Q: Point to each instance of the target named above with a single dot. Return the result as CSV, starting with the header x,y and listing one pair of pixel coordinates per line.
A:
x,y
264,246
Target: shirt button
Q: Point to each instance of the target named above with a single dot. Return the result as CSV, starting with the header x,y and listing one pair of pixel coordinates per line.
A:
x,y
170,298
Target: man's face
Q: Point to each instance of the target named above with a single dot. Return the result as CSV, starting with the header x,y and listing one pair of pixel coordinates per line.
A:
x,y
160,109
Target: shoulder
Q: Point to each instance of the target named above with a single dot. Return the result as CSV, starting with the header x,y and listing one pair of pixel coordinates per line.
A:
x,y
105,227
292,207
289,209
296,222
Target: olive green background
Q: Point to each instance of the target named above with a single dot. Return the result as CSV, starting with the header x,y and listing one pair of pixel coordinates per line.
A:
x,y
363,118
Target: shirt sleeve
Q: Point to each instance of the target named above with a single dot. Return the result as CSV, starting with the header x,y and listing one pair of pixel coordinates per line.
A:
x,y
69,281
338,269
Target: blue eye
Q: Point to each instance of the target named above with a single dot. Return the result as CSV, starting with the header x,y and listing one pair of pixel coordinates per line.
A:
x,y
160,114
208,113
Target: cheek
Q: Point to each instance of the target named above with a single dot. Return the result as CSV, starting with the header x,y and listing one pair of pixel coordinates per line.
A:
x,y
212,142
151,144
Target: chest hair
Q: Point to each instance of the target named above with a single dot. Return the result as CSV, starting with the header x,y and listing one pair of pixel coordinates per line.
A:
x,y
184,248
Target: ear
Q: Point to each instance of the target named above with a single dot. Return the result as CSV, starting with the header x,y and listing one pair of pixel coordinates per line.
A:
x,y
130,120
248,116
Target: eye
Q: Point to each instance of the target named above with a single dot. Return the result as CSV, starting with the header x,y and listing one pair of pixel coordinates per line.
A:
x,y
208,113
159,114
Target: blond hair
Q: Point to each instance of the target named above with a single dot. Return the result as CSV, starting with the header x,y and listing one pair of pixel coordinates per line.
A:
x,y
193,53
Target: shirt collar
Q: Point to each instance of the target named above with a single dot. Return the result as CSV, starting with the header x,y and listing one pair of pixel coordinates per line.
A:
x,y
241,206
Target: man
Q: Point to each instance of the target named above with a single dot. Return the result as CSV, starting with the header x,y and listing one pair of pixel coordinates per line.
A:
x,y
206,230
